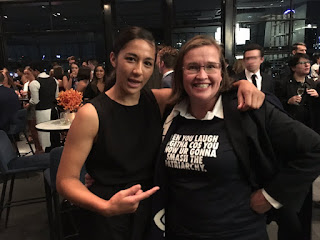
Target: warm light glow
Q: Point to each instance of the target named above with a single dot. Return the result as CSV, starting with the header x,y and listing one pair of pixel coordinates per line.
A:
x,y
107,7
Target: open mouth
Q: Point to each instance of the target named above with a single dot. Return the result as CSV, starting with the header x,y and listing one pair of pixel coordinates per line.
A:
x,y
134,83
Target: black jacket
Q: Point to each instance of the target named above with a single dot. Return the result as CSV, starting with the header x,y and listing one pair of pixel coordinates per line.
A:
x,y
276,152
267,84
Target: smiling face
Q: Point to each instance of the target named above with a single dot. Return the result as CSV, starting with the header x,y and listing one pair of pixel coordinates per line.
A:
x,y
202,88
133,65
99,72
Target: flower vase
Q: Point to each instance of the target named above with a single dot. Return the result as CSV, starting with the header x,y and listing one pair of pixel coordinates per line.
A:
x,y
69,116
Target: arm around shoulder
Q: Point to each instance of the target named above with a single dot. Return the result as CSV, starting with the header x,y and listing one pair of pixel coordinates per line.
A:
x,y
162,96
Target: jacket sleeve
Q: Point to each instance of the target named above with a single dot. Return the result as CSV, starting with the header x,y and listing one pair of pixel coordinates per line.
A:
x,y
297,147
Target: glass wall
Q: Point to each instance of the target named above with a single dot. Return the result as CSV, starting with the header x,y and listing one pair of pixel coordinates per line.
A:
x,y
195,17
275,25
51,31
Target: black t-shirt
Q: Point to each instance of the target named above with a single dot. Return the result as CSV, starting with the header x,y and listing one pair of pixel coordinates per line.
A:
x,y
209,197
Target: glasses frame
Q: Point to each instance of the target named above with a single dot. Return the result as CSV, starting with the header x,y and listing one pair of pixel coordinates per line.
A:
x,y
196,71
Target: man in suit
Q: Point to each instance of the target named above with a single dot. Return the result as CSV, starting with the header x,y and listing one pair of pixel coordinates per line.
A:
x,y
9,104
167,59
253,58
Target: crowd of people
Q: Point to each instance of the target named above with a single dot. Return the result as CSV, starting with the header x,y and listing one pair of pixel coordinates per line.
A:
x,y
215,172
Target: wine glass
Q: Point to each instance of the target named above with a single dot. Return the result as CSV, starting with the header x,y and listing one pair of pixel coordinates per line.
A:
x,y
300,90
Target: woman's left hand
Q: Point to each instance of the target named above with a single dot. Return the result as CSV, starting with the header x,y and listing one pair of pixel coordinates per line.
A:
x,y
259,203
313,93
249,97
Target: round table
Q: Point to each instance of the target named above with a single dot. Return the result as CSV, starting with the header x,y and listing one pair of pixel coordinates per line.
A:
x,y
53,125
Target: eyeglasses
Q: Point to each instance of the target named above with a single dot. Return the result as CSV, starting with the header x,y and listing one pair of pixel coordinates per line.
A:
x,y
305,62
195,68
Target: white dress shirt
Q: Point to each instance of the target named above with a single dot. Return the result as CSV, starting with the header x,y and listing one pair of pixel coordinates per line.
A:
x,y
258,77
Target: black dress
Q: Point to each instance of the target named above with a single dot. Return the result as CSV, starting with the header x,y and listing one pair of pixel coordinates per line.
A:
x,y
123,155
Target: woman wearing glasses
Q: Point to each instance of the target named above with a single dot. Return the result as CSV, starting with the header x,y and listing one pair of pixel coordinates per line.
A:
x,y
119,146
219,170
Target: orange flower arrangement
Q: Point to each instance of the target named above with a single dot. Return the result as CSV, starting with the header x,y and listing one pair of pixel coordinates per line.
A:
x,y
70,99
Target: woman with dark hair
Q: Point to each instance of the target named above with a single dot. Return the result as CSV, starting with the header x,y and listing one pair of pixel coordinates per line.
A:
x,y
97,85
8,80
71,81
119,145
219,171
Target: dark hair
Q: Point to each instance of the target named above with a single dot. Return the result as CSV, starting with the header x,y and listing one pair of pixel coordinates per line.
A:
x,y
71,58
1,77
94,81
316,57
293,61
295,45
84,73
58,72
125,36
178,91
94,62
253,46
36,67
169,56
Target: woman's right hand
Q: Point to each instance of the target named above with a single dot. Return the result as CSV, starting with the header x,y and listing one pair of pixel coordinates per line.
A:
x,y
127,201
295,100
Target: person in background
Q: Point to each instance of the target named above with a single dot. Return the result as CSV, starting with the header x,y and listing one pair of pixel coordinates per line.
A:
x,y
17,80
71,59
84,63
31,110
219,171
299,95
8,80
98,83
92,63
253,57
238,66
9,104
125,124
315,68
83,78
43,93
71,81
167,59
58,75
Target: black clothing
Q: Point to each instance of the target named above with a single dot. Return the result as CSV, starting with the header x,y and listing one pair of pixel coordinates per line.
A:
x,y
9,105
128,140
267,84
123,155
208,192
274,151
91,91
307,110
47,93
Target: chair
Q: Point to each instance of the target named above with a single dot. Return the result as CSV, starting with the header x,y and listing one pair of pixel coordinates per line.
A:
x,y
18,125
54,205
10,165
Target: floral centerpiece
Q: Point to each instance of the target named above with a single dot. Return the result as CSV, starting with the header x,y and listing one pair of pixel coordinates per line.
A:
x,y
70,100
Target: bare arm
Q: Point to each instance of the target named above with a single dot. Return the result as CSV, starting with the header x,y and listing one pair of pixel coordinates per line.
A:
x,y
162,96
66,82
77,147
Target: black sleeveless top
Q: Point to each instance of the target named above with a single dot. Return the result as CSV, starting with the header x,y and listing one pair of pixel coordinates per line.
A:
x,y
128,141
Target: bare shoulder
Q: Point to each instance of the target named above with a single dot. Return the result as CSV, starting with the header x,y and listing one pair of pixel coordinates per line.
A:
x,y
86,122
162,96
